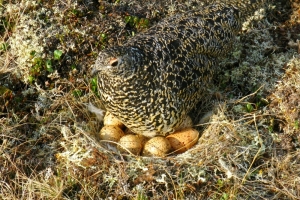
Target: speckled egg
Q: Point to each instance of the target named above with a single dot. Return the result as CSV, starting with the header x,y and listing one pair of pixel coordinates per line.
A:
x,y
109,119
111,133
132,143
157,146
183,140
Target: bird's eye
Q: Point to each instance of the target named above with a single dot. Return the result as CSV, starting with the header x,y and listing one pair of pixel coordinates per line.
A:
x,y
113,62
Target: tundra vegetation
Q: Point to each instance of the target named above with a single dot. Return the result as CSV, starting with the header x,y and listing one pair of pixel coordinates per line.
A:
x,y
249,147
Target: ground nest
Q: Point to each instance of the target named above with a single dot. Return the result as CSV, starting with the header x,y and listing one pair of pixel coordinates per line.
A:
x,y
249,146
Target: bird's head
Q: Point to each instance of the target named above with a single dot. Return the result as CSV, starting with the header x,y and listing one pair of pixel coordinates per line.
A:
x,y
118,61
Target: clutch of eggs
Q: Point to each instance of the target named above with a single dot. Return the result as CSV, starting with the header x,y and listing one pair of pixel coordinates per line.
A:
x,y
177,142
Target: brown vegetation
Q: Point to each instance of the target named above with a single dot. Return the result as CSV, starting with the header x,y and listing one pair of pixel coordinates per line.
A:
x,y
249,149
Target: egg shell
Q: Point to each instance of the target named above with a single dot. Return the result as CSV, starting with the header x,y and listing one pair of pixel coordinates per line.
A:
x,y
132,143
183,140
157,146
109,119
111,133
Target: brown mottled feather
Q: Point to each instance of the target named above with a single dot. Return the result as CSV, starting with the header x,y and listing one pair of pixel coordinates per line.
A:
x,y
155,79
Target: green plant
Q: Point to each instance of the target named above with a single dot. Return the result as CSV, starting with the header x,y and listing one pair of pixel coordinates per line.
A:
x,y
296,124
75,13
57,54
141,196
144,23
94,86
136,22
224,196
4,46
103,37
31,79
6,24
40,64
77,93
220,183
49,66
37,65
73,66
249,107
103,40
271,125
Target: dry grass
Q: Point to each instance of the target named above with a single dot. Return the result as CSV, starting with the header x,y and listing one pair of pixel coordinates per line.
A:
x,y
249,149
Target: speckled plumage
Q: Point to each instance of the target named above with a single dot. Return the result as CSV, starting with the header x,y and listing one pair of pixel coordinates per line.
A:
x,y
155,79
